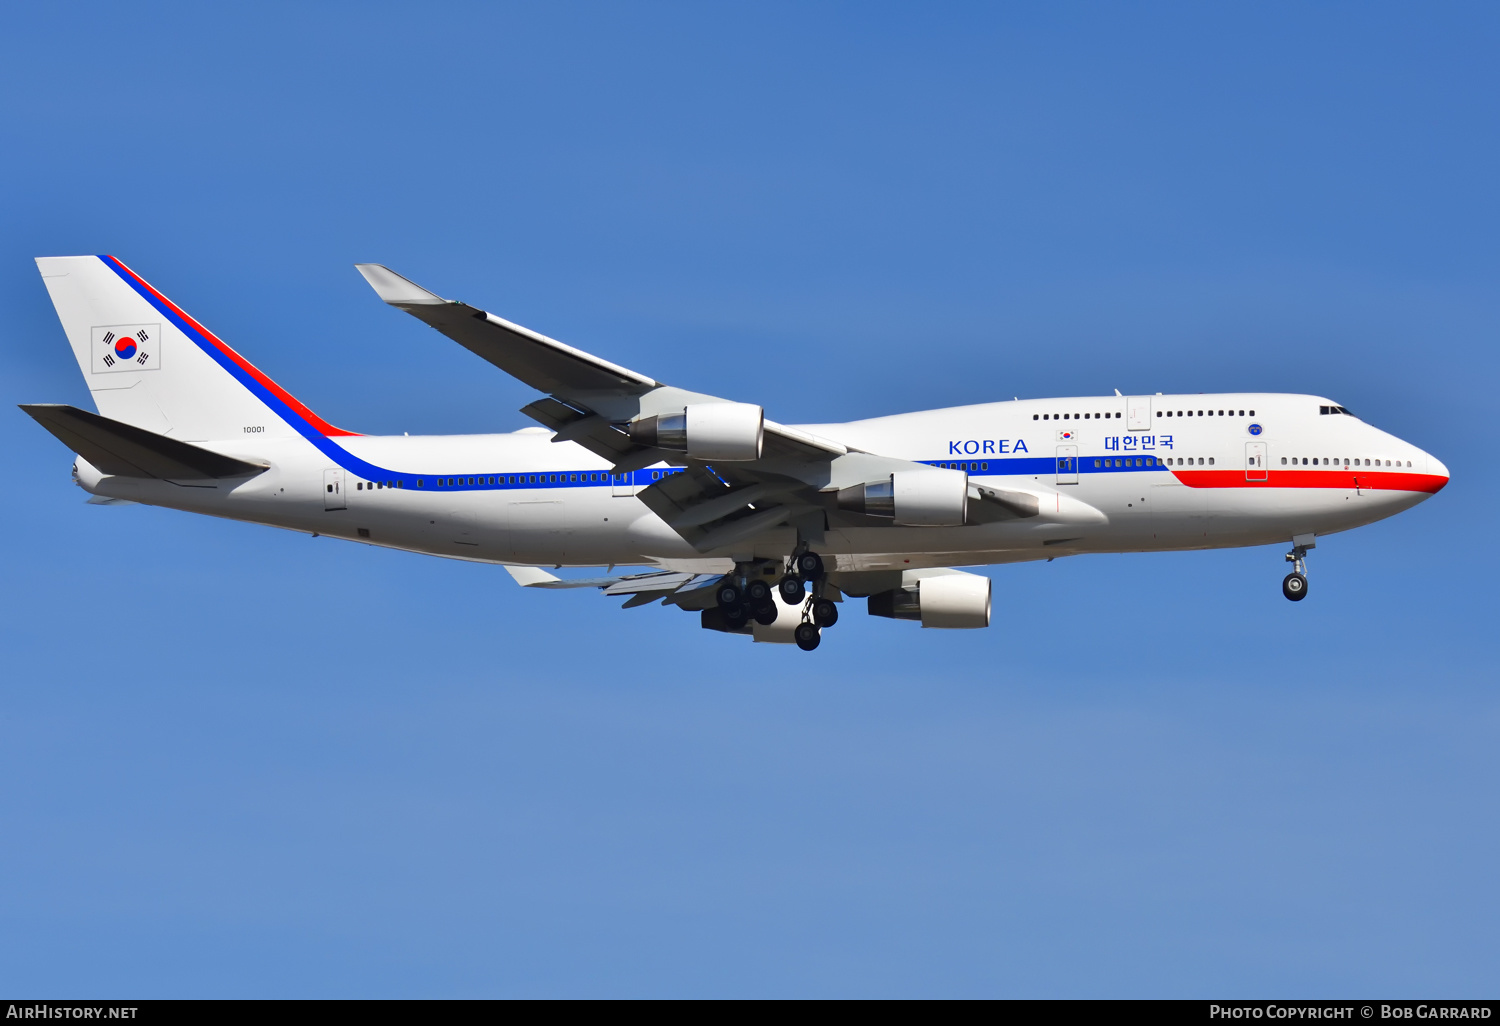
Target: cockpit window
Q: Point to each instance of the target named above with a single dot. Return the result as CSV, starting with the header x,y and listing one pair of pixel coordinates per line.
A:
x,y
1326,410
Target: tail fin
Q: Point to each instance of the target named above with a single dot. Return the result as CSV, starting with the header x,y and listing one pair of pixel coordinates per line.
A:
x,y
150,365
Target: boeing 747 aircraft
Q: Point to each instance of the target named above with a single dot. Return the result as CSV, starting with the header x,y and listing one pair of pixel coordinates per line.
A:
x,y
759,528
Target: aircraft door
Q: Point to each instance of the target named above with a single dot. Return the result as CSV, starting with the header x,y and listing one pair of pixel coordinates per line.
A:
x,y
1067,464
333,490
1255,462
620,484
1138,413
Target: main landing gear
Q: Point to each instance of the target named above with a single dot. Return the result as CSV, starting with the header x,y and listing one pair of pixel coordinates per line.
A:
x,y
743,596
820,612
1294,584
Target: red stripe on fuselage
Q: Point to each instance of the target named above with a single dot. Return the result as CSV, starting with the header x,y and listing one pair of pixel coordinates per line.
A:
x,y
1364,480
318,423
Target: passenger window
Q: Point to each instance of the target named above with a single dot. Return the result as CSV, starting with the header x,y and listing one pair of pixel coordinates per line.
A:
x,y
1210,461
984,466
1096,463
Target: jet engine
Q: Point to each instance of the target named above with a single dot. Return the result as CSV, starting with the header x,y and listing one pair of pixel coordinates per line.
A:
x,y
706,431
914,498
954,601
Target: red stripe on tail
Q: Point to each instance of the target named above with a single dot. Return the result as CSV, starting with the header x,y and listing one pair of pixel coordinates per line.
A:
x,y
318,423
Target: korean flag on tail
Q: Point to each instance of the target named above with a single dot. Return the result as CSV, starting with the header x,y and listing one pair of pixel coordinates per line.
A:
x,y
126,347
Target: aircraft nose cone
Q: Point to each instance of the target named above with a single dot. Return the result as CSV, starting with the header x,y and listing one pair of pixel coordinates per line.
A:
x,y
1437,468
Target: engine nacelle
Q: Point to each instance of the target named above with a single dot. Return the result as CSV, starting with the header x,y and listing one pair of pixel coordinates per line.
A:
x,y
952,601
913,498
706,431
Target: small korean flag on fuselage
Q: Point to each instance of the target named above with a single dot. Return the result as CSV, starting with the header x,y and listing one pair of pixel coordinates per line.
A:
x,y
126,347
1066,436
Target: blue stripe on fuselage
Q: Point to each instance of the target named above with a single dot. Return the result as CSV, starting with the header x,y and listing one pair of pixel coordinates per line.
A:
x,y
1035,465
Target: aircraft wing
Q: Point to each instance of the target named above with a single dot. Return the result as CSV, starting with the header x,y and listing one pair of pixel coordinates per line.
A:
x,y
541,362
589,393
664,585
792,478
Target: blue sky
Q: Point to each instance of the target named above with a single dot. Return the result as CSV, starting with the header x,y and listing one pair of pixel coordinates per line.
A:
x,y
242,762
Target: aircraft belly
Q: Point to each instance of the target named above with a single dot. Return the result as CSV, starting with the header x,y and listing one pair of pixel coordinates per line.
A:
x,y
589,529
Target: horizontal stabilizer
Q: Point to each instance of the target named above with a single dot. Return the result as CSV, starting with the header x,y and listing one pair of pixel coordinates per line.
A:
x,y
126,451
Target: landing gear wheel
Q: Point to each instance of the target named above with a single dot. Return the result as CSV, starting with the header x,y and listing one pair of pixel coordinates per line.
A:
x,y
765,613
807,636
736,617
825,613
757,592
1294,587
728,596
792,591
809,565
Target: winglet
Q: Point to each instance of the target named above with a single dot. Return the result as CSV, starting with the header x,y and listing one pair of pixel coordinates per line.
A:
x,y
530,576
396,290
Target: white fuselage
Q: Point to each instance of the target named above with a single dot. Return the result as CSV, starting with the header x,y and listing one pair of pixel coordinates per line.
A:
x,y
1113,474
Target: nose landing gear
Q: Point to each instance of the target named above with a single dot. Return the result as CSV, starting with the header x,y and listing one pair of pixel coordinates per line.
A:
x,y
1294,584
